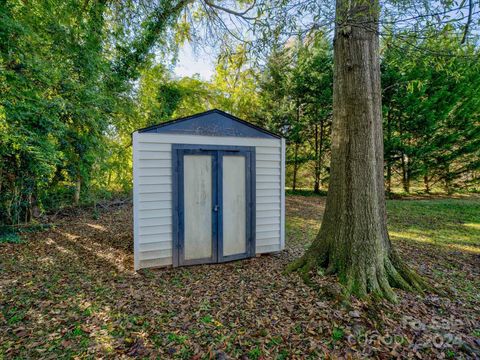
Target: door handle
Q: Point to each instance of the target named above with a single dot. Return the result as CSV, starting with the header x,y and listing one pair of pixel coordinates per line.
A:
x,y
216,207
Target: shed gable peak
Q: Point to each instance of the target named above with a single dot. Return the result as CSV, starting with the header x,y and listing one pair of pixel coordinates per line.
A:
x,y
210,123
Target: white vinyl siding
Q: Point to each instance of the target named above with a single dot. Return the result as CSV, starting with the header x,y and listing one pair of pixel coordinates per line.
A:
x,y
152,196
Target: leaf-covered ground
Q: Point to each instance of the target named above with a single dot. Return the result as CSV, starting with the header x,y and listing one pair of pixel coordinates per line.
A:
x,y
70,292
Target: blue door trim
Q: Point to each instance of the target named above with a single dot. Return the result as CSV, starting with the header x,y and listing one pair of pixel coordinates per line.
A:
x,y
217,153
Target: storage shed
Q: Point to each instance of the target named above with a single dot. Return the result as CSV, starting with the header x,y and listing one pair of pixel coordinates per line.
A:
x,y
207,188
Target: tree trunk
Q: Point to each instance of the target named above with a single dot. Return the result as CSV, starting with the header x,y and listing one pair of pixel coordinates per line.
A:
x,y
405,174
320,155
353,241
448,181
76,195
316,184
389,155
29,208
295,167
426,182
389,179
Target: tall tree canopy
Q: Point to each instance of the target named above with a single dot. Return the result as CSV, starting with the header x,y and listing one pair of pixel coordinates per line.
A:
x,y
66,85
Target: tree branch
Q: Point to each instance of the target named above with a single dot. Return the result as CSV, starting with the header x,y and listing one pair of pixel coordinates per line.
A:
x,y
469,20
233,12
136,52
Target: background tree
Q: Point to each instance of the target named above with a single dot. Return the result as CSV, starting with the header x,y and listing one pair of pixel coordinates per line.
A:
x,y
66,95
281,108
428,138
312,79
296,101
236,84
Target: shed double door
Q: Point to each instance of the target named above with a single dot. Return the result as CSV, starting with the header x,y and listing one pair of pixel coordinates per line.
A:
x,y
213,197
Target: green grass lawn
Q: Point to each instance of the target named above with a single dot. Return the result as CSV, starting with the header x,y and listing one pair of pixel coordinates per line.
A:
x,y
70,291
453,223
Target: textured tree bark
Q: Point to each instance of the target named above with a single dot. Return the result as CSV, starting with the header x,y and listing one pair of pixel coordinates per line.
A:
x,y
319,139
316,184
389,158
353,241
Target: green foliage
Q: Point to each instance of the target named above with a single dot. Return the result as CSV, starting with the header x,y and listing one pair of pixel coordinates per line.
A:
x,y
43,132
179,339
235,85
431,112
10,237
296,101
207,319
255,353
337,334
66,105
431,107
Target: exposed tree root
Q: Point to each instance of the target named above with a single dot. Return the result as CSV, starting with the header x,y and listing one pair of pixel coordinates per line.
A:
x,y
303,267
375,279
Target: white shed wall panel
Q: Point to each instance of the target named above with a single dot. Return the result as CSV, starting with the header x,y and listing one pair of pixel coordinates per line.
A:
x,y
152,176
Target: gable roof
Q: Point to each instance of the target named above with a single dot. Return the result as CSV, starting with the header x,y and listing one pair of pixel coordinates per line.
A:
x,y
210,123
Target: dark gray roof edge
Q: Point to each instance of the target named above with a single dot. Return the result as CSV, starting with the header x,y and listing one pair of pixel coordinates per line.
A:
x,y
174,121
